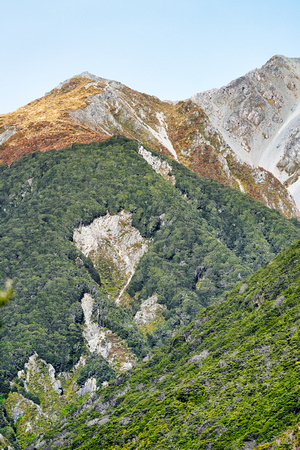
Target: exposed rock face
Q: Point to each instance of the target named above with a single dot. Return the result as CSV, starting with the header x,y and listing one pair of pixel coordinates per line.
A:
x,y
115,247
88,108
5,135
161,167
45,388
34,374
199,358
4,443
259,117
47,394
150,313
102,341
89,386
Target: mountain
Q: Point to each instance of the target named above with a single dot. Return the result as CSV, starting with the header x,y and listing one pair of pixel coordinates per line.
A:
x,y
111,247
258,115
148,309
229,380
87,108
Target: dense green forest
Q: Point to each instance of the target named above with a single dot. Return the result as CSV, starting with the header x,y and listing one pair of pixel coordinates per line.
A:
x,y
229,380
44,196
203,239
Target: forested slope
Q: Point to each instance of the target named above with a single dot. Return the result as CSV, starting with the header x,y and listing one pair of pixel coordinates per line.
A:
x,y
202,238
229,380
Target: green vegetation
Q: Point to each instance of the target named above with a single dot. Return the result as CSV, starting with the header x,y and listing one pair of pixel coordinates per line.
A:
x,y
229,380
96,366
197,253
6,294
203,238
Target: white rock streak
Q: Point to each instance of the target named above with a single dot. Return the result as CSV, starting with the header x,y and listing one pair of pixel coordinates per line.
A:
x,y
162,135
161,167
275,150
94,335
6,135
104,342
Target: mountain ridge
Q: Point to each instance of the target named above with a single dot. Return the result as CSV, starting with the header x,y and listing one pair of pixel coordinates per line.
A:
x,y
149,309
93,108
258,115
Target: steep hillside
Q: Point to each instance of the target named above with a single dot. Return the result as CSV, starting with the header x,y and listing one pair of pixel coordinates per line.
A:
x,y
87,108
230,380
111,248
258,115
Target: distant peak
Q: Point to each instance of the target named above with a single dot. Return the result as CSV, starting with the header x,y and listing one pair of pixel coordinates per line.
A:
x,y
90,76
281,60
86,74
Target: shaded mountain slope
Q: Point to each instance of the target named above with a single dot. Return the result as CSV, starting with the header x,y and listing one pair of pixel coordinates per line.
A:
x,y
201,237
87,108
230,380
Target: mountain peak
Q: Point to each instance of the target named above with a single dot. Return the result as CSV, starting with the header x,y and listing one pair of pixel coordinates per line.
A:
x,y
86,75
258,115
89,75
87,108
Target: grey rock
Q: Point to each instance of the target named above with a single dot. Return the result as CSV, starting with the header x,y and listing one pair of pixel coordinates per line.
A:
x,y
6,135
99,422
125,421
102,407
243,288
17,412
265,102
89,386
279,301
199,358
161,396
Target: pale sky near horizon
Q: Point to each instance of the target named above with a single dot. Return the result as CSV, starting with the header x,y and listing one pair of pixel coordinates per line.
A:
x,y
170,49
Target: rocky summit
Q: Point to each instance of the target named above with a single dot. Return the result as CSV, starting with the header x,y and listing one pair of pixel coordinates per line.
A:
x,y
222,134
258,115
147,301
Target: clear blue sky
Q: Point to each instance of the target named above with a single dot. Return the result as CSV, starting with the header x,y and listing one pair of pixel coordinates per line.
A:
x,y
168,48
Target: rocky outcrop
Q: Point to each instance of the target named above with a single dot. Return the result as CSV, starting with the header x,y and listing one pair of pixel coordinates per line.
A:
x,y
7,134
115,247
160,166
40,395
102,341
150,314
38,372
258,116
89,386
